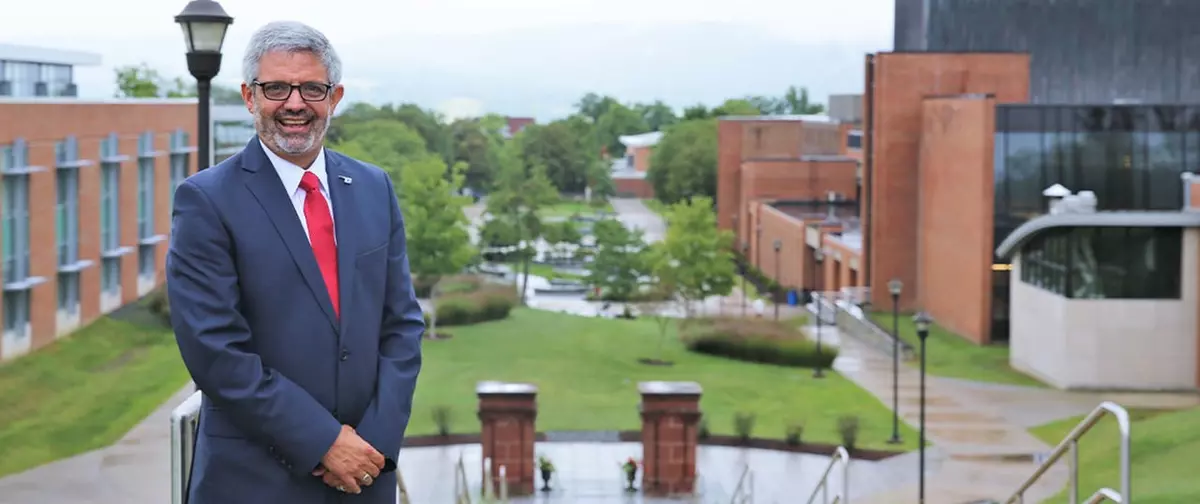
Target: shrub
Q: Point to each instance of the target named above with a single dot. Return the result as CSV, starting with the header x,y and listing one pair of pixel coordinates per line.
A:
x,y
702,432
442,418
848,430
158,303
761,341
794,434
489,302
743,424
456,284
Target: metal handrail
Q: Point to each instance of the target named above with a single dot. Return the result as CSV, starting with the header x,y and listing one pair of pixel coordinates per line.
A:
x,y
185,419
1071,444
743,493
1104,494
462,492
402,488
840,456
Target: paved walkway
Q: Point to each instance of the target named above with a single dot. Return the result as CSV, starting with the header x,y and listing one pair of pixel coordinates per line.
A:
x,y
983,449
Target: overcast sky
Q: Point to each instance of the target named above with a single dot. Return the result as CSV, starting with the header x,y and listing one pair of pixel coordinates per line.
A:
x,y
517,57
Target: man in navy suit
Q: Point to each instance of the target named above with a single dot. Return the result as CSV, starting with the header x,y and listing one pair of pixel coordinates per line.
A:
x,y
291,298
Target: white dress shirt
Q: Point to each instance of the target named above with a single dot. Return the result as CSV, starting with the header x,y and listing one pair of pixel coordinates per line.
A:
x,y
290,174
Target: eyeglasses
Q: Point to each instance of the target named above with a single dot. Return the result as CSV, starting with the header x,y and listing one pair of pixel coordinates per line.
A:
x,y
281,91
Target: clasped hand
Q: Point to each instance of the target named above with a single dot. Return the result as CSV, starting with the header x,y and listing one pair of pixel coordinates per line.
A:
x,y
351,463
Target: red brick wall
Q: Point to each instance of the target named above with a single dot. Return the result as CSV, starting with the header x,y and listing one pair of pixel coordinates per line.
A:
x,y
729,165
793,256
641,157
43,124
635,188
841,266
797,180
956,214
902,80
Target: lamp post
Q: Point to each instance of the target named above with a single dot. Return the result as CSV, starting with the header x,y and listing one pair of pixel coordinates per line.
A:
x,y
775,295
745,251
922,321
819,257
204,23
894,288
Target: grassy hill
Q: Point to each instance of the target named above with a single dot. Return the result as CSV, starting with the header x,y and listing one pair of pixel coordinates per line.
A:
x,y
1165,451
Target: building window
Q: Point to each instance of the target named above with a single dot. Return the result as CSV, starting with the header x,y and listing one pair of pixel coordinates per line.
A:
x,y
67,162
147,239
17,280
180,155
110,217
1106,262
854,140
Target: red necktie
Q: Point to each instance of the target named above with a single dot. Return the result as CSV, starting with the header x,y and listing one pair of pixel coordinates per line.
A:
x,y
320,234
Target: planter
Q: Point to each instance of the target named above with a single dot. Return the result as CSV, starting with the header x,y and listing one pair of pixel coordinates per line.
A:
x,y
546,480
630,476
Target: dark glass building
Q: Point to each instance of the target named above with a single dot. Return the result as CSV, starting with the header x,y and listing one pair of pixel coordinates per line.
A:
x,y
1131,156
1082,51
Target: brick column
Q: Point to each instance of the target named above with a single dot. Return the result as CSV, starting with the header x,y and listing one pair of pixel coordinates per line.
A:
x,y
670,418
506,413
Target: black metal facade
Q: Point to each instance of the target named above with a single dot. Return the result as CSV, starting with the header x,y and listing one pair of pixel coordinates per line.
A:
x,y
1082,51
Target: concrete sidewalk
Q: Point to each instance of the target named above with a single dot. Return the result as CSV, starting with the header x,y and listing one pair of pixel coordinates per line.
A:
x,y
135,470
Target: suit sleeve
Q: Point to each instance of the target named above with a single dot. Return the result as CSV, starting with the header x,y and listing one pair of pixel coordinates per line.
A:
x,y
387,416
215,341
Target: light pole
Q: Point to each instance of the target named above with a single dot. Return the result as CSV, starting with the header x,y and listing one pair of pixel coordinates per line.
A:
x,y
745,251
758,247
204,23
894,288
819,257
922,321
775,295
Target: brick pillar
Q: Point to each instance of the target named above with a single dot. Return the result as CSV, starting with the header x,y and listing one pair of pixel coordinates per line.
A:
x,y
506,413
670,418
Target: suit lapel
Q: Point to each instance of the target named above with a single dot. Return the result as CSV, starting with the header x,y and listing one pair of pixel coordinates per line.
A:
x,y
268,189
346,219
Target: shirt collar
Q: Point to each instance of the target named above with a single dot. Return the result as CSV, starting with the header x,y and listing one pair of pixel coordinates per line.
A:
x,y
290,173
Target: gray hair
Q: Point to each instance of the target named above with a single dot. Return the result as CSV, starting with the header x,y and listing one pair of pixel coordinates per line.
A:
x,y
291,37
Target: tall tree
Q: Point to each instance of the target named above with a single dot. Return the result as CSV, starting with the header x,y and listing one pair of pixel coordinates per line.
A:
x,y
658,115
141,81
618,120
435,225
694,257
520,191
684,163
562,152
386,143
619,262
593,105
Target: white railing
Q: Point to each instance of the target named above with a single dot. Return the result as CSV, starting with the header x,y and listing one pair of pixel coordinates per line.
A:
x,y
1070,445
840,457
743,493
185,418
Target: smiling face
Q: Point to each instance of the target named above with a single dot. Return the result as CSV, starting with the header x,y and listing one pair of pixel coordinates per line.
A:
x,y
291,102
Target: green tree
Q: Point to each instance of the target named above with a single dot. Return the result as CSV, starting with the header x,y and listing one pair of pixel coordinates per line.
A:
x,y
684,163
658,115
141,81
616,121
520,191
794,101
619,261
694,257
593,105
478,149
563,152
435,225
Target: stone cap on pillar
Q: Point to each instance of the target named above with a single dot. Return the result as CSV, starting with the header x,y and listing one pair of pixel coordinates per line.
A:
x,y
651,388
504,388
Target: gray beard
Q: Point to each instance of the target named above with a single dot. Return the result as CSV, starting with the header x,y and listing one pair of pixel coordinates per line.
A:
x,y
269,131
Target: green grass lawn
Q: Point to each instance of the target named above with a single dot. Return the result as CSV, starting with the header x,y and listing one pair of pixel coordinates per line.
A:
x,y
567,208
587,373
1164,451
952,356
84,392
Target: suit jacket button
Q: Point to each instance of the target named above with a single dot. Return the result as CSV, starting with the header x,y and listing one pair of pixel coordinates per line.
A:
x,y
345,354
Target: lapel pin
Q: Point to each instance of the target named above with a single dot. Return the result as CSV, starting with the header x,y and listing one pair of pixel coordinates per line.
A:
x,y
346,180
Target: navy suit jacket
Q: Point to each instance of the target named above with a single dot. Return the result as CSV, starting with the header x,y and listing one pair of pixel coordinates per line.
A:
x,y
279,371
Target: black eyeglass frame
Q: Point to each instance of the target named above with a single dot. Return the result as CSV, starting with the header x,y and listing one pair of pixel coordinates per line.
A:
x,y
292,88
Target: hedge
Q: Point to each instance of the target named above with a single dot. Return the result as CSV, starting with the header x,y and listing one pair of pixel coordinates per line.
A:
x,y
752,340
486,303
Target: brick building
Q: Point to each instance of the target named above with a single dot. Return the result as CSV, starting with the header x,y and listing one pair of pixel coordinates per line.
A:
x,y
791,180
86,210
629,172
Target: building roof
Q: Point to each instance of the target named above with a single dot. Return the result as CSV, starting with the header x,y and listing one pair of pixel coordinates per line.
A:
x,y
31,54
642,139
813,118
1041,224
61,100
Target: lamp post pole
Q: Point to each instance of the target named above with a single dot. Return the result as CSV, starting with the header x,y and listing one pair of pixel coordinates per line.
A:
x,y
818,258
204,24
775,295
745,250
894,288
922,321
